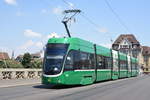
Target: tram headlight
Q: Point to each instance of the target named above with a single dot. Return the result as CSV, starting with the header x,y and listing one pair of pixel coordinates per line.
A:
x,y
55,69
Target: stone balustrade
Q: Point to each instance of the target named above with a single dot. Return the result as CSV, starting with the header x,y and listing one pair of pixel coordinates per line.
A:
x,y
20,73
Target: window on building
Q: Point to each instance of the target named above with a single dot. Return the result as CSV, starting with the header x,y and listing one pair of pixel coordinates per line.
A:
x,y
125,46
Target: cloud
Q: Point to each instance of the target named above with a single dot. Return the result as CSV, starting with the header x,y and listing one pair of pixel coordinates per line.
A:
x,y
53,35
27,45
57,10
31,43
11,2
34,45
39,44
30,33
107,45
44,11
30,46
103,30
6,49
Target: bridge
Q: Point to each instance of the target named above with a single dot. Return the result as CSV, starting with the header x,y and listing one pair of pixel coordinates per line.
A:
x,y
8,73
135,88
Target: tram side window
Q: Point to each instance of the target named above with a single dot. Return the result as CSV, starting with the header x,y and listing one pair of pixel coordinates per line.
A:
x,y
123,64
108,62
136,66
104,62
86,61
100,62
79,60
72,60
92,61
133,66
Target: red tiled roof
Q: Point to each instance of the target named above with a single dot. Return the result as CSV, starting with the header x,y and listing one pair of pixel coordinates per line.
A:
x,y
4,56
130,37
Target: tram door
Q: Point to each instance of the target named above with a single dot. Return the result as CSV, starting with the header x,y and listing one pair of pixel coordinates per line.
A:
x,y
129,65
95,61
115,72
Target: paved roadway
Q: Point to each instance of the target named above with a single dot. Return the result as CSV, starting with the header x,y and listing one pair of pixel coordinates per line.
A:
x,y
136,88
18,82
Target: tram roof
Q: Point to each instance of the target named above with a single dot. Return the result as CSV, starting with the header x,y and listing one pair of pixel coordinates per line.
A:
x,y
101,50
70,41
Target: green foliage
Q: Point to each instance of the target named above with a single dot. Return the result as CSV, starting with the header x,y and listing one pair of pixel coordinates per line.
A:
x,y
37,63
13,64
10,64
2,65
26,62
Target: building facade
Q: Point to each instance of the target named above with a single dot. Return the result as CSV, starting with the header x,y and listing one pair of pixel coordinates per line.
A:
x,y
34,56
146,58
128,44
4,56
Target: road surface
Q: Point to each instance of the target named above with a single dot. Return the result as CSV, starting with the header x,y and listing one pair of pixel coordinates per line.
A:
x,y
136,88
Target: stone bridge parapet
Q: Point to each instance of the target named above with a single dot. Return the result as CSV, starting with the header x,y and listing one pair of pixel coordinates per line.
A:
x,y
20,73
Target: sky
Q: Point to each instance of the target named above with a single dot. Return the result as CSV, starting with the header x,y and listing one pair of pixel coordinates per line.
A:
x,y
26,25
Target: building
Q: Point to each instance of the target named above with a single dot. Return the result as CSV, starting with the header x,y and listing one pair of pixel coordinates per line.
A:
x,y
19,58
4,56
34,56
146,58
128,44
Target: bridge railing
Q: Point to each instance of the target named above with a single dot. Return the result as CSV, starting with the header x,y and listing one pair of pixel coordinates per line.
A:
x,y
20,73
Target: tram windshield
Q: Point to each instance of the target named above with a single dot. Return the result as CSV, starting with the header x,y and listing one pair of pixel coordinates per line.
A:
x,y
54,56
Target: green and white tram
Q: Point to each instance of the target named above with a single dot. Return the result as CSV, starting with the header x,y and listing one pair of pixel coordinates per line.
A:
x,y
73,61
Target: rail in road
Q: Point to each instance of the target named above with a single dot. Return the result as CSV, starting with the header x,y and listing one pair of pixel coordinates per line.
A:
x,y
136,88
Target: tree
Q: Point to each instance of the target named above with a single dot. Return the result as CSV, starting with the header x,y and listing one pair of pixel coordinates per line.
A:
x,y
10,64
13,64
26,62
2,65
37,63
